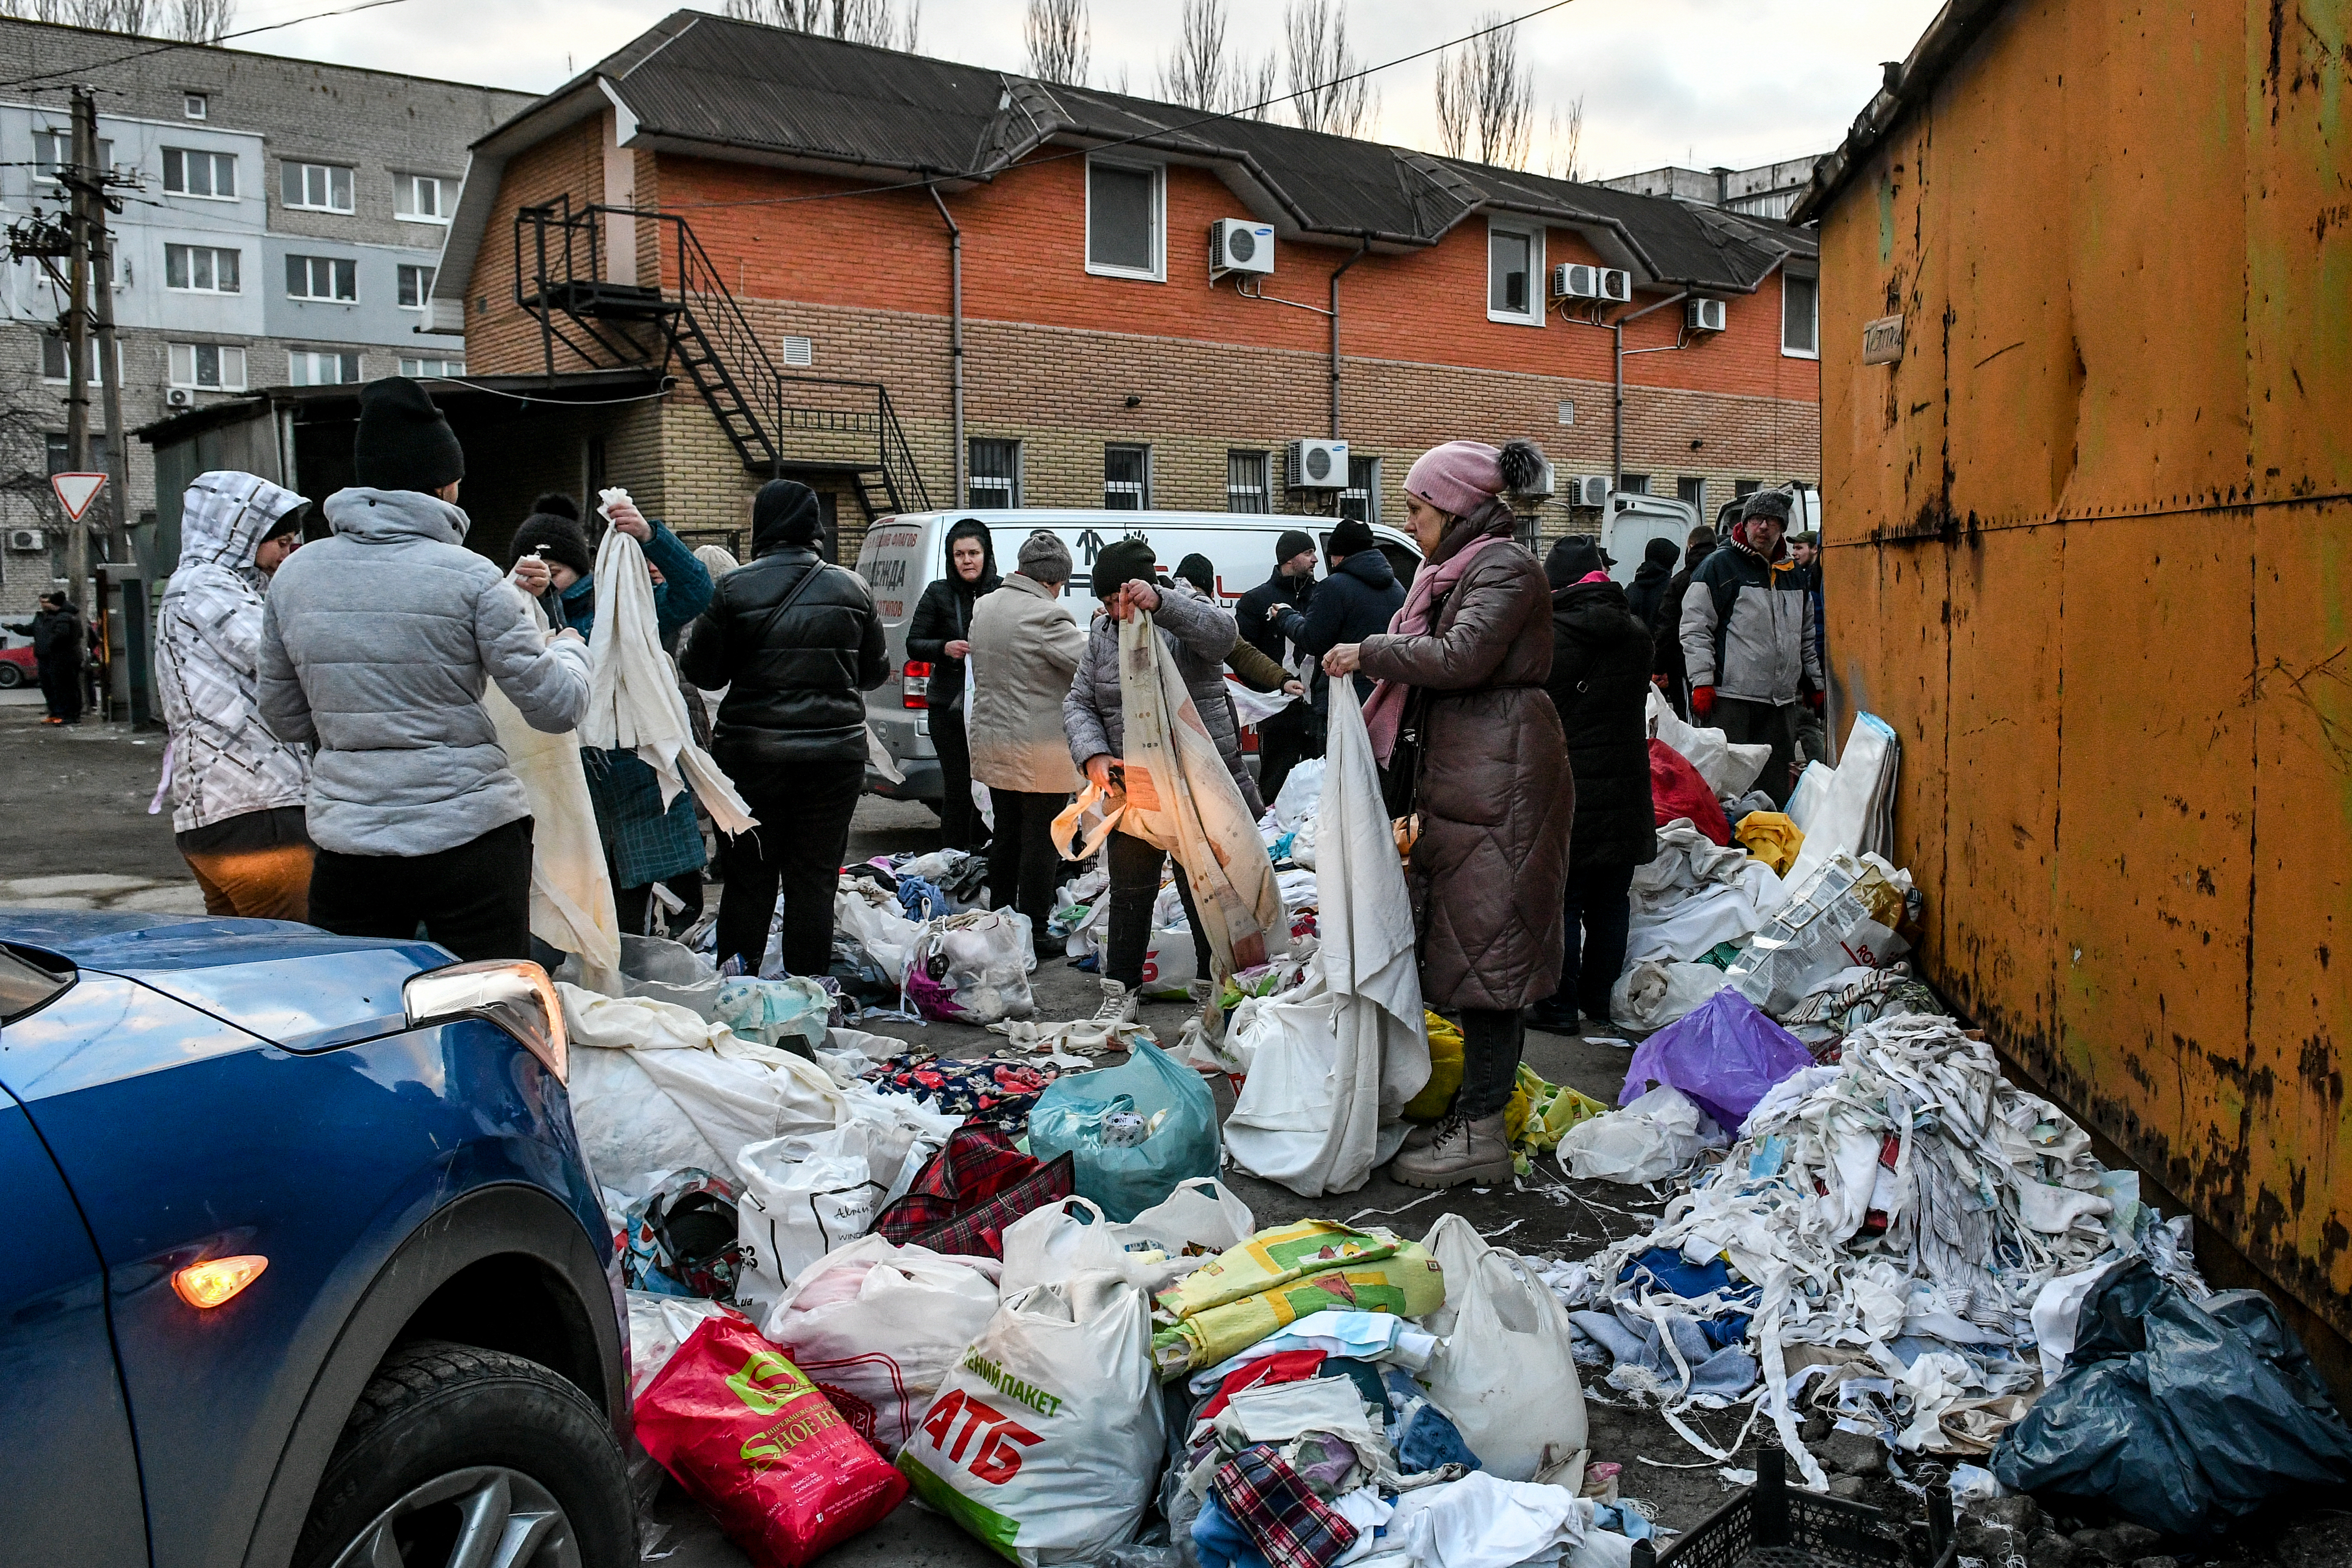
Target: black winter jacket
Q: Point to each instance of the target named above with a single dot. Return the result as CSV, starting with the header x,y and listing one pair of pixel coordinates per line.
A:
x,y
1600,684
57,634
1294,593
1650,580
1356,601
943,615
793,680
1666,625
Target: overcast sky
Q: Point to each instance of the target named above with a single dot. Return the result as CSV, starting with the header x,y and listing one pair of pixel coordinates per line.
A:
x,y
1699,82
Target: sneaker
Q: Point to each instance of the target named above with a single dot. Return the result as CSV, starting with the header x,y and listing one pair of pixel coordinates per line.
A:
x,y
1463,1151
1117,1004
1202,992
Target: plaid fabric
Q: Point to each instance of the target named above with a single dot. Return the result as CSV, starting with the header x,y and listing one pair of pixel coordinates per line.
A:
x,y
980,1232
642,843
978,1163
1288,1522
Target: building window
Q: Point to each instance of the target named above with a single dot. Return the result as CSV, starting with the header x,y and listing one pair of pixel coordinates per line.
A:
x,y
1127,476
1124,226
1245,481
322,278
1801,311
416,286
215,367
314,187
53,150
54,358
201,269
1514,268
799,351
1633,483
195,106
1741,488
1692,491
188,172
996,474
322,367
419,198
1361,499
430,367
102,456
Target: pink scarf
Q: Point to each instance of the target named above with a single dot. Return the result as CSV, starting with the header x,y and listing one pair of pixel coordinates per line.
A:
x,y
1384,709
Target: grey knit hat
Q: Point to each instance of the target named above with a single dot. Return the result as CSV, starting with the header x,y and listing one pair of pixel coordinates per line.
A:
x,y
1044,559
1772,503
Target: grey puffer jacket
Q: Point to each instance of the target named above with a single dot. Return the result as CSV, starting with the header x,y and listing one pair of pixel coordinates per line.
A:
x,y
225,763
1748,627
377,646
1202,637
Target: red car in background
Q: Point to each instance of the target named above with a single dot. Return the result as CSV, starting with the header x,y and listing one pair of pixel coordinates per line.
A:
x,y
17,667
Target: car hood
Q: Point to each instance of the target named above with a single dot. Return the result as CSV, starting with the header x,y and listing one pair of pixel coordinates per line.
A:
x,y
294,986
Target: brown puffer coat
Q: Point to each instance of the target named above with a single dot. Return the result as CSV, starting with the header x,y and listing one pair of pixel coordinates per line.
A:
x,y
1497,797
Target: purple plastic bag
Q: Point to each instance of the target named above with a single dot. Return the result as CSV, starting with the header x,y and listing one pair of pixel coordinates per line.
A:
x,y
1724,1054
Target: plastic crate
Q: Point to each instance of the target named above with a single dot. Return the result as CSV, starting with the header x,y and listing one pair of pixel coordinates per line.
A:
x,y
1770,1526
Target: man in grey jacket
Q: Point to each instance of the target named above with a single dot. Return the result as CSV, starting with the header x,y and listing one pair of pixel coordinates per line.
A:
x,y
1748,641
376,647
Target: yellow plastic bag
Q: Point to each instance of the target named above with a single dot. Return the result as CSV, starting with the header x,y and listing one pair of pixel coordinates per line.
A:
x,y
1282,1274
1445,1073
1773,837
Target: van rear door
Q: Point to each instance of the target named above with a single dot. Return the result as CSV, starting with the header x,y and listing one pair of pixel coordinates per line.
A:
x,y
891,560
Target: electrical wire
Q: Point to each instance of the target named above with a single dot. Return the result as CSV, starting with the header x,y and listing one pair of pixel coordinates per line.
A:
x,y
553,402
169,45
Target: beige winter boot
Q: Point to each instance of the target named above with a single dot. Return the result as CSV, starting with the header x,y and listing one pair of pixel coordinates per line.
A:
x,y
1463,1151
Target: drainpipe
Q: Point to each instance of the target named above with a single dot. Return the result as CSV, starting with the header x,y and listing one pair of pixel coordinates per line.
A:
x,y
1617,408
1361,250
955,338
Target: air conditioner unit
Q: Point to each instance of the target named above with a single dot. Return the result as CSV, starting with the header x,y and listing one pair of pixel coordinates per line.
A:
x,y
1319,464
1704,315
1589,490
179,397
24,539
1616,285
1237,244
1574,280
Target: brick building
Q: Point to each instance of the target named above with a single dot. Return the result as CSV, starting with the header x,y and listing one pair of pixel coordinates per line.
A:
x,y
283,228
789,225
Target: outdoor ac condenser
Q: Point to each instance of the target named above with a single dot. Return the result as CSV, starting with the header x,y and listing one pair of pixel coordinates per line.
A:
x,y
1574,280
179,397
1237,244
1616,285
1589,490
1704,315
1316,465
24,539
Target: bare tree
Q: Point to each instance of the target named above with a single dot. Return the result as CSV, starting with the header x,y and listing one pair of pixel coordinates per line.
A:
x,y
1205,74
1255,96
1564,141
1060,40
1485,98
859,21
1329,91
204,21
197,20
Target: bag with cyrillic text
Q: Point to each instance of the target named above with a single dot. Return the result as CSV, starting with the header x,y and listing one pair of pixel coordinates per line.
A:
x,y
1045,1440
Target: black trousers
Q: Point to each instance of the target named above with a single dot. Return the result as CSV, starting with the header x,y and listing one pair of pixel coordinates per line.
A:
x,y
62,687
1746,723
1492,1040
1593,954
1024,866
803,831
959,819
634,905
1134,889
474,899
1283,742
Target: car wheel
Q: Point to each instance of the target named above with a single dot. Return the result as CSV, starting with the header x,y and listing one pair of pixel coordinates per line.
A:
x,y
11,674
456,1455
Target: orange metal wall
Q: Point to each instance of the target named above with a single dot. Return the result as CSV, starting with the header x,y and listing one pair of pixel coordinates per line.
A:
x,y
2091,555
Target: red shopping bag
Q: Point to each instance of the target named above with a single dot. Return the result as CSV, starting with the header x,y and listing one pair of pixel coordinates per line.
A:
x,y
753,1440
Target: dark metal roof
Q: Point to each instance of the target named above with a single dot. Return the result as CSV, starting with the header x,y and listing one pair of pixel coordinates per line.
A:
x,y
725,86
1956,27
574,387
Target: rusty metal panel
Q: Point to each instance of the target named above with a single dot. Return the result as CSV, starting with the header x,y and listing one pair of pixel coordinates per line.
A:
x,y
2088,555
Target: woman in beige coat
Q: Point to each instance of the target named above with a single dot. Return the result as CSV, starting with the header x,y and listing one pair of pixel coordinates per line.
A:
x,y
1025,646
1461,703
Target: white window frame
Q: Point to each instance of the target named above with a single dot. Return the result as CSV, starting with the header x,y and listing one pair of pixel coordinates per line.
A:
x,y
65,152
1786,352
195,106
310,277
171,352
217,252
1534,235
299,356
414,368
403,189
424,279
97,360
1158,271
217,159
1142,490
307,206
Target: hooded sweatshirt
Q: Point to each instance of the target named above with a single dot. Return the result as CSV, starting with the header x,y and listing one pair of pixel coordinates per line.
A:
x,y
1650,578
943,614
225,763
376,646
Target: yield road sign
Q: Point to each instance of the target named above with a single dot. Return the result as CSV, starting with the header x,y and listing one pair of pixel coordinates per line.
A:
x,y
76,491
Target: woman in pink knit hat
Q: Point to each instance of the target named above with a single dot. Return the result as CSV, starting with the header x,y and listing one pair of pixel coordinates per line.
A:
x,y
1469,740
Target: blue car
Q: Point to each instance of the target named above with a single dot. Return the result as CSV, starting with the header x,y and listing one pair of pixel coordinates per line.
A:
x,y
306,1268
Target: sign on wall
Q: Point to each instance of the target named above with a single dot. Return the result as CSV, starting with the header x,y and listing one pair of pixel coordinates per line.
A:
x,y
1882,340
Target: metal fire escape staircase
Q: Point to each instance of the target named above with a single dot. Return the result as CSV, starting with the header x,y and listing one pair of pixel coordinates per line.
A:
x,y
848,428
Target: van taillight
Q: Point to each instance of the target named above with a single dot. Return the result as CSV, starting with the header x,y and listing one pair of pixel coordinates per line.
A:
x,y
918,684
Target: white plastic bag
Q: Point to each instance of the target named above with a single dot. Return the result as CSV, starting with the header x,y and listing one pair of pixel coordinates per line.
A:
x,y
1047,1438
1301,793
876,1327
1729,769
669,972
1647,1140
1654,992
1456,1246
657,1326
1200,1214
971,968
1505,1373
862,909
802,1197
1050,1245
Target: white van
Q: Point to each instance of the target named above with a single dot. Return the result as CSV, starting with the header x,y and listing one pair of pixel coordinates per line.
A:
x,y
1634,520
903,554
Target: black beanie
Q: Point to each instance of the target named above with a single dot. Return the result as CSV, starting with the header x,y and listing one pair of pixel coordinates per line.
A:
x,y
1120,562
287,523
1353,536
784,513
404,442
1196,570
556,504
560,539
1291,543
1661,552
1572,560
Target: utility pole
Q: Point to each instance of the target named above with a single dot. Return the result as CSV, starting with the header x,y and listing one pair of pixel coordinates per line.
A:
x,y
109,366
76,323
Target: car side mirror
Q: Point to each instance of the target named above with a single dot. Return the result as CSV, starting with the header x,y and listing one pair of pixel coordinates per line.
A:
x,y
517,997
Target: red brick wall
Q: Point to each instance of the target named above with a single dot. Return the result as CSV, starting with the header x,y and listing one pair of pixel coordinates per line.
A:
x,y
506,341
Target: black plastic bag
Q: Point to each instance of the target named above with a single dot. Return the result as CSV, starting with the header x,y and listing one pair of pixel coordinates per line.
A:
x,y
2179,1414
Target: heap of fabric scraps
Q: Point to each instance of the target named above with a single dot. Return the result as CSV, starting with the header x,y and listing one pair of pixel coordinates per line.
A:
x,y
1697,894
990,1092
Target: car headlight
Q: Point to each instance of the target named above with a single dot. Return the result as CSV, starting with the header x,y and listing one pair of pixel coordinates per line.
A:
x,y
517,997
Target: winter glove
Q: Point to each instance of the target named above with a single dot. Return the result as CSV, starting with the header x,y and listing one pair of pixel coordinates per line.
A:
x,y
1813,700
1702,701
